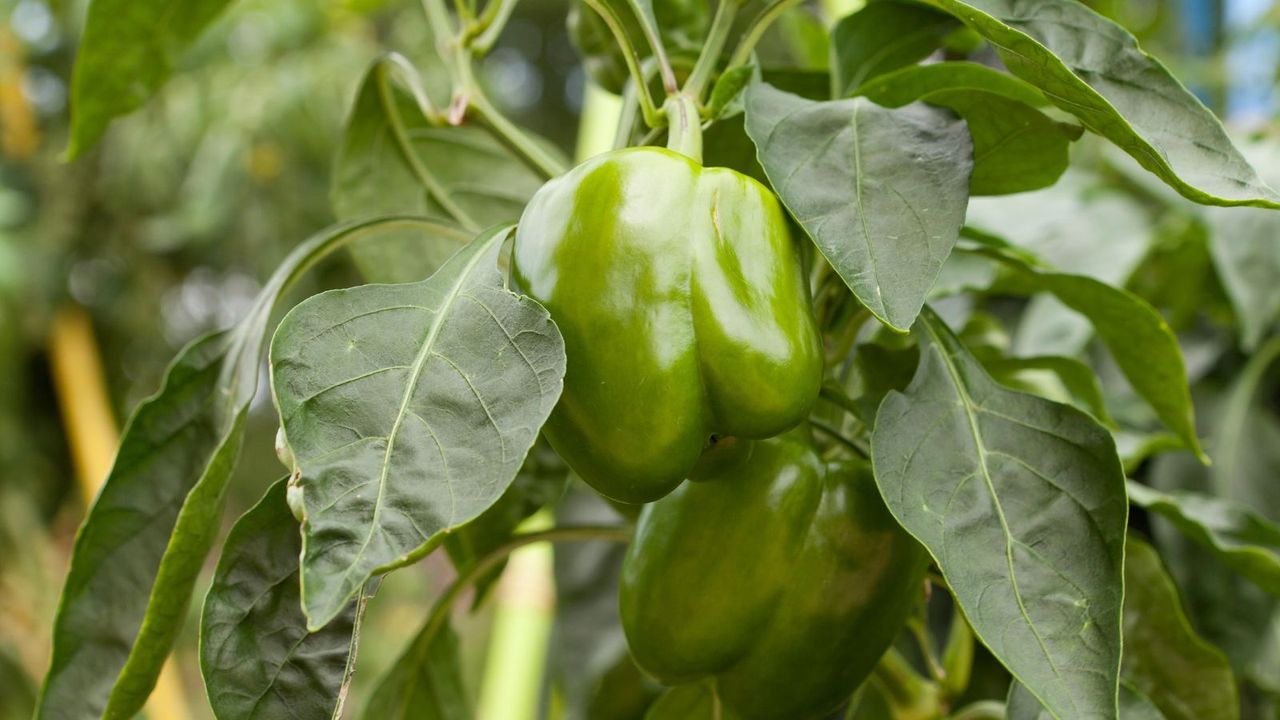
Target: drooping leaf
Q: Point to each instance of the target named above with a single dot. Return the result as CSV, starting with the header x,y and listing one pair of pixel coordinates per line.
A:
x,y
1021,502
1078,381
883,37
1016,148
409,409
425,683
1164,658
256,656
1092,68
126,52
1140,341
1243,540
159,511
396,158
1134,705
881,192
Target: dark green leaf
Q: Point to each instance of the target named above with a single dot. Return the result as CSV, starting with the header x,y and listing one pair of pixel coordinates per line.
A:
x,y
1093,69
395,158
158,514
882,37
256,656
409,409
425,683
1243,540
126,53
1021,502
1184,676
1133,705
911,83
882,192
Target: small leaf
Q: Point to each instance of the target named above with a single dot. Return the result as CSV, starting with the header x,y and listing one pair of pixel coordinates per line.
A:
x,y
257,659
1092,68
409,409
394,158
126,53
1243,540
425,683
1021,502
146,536
881,192
1164,658
882,37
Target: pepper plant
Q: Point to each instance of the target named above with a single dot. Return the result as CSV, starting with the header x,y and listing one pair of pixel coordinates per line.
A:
x,y
766,327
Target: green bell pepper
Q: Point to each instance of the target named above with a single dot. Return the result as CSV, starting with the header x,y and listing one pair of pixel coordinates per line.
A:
x,y
779,580
685,312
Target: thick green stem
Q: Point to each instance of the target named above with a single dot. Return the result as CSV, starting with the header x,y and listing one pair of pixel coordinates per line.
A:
x,y
762,21
684,126
709,58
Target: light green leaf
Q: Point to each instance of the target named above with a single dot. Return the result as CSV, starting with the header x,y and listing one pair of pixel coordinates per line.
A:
x,y
257,659
1243,540
881,192
1134,705
425,683
409,409
1164,658
1092,68
1021,502
1078,381
147,534
397,157
882,37
126,53
911,83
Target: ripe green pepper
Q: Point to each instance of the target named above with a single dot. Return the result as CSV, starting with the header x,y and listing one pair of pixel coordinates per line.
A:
x,y
684,308
682,23
779,579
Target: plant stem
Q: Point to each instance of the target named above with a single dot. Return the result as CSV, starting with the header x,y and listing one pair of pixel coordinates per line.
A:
x,y
659,50
761,23
984,710
709,58
513,135
857,447
684,126
491,24
438,19
652,117
921,633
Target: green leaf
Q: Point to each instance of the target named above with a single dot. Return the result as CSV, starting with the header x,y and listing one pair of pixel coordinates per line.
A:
x,y
425,683
1021,502
409,409
881,192
397,157
1139,339
1133,705
1164,658
1078,381
882,37
126,53
257,659
147,534
1243,540
1092,68
911,83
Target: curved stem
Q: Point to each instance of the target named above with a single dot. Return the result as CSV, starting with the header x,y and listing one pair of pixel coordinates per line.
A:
x,y
440,611
627,118
533,153
652,117
659,50
761,23
491,24
709,58
684,126
438,18
984,710
840,437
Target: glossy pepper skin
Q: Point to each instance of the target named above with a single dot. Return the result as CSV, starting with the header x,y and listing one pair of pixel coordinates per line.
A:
x,y
685,312
780,580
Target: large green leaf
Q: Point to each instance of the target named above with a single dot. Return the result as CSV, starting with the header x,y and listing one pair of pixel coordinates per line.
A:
x,y
1133,705
1186,677
409,409
425,683
257,658
1093,69
1139,339
126,53
398,157
1021,502
881,192
1243,540
882,37
1016,147
158,514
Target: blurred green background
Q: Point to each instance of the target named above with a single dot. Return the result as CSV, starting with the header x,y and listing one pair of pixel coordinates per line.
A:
x,y
167,229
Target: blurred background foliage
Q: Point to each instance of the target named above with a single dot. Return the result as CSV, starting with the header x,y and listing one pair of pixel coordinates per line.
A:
x,y
166,229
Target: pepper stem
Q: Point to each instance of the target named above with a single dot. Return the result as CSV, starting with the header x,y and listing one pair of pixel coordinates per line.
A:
x,y
684,126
